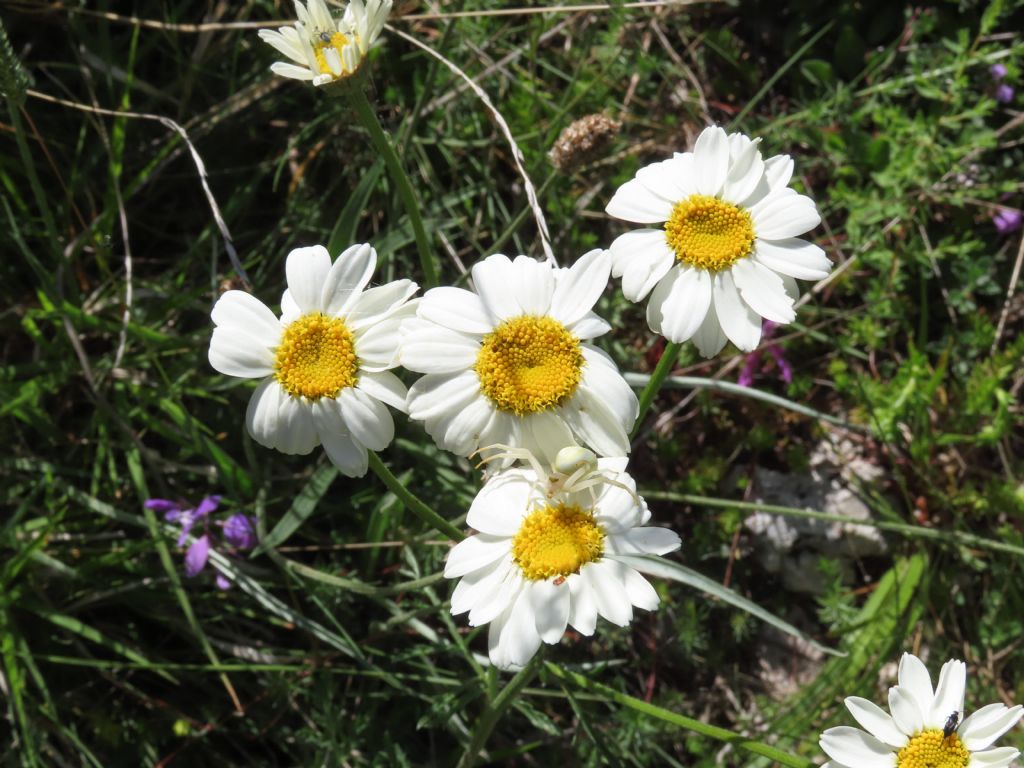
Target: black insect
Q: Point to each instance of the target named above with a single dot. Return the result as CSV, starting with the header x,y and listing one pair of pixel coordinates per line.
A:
x,y
951,724
325,37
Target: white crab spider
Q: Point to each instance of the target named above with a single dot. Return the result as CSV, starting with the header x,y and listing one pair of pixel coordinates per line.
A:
x,y
574,469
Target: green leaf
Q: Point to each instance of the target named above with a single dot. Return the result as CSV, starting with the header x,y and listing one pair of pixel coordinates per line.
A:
x,y
303,506
345,228
666,569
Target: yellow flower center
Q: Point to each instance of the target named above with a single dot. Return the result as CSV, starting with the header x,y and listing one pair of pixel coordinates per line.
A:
x,y
709,233
556,541
529,364
316,357
325,40
930,749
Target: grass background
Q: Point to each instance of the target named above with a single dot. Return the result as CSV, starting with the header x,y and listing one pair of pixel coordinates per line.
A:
x,y
336,647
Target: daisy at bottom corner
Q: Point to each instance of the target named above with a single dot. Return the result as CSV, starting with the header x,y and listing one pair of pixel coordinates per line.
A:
x,y
544,555
925,727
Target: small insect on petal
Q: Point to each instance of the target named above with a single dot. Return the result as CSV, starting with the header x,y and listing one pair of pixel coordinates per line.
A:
x,y
573,457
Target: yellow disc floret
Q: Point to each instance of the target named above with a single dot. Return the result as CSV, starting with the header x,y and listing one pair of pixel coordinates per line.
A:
x,y
930,749
555,541
529,364
327,40
709,233
316,357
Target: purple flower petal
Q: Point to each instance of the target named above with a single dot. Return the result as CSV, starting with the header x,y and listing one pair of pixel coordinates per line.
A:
x,y
207,505
240,531
197,555
1007,221
223,582
751,367
1004,93
998,71
785,369
162,505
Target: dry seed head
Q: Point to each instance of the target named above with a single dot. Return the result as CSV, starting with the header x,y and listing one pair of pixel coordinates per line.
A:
x,y
582,141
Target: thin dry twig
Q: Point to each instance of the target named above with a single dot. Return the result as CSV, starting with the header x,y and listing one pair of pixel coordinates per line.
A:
x,y
229,245
1009,295
517,155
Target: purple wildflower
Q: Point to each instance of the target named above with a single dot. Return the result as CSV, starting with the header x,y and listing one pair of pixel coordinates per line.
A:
x,y
998,71
240,532
1004,93
753,362
223,582
177,513
1008,220
197,555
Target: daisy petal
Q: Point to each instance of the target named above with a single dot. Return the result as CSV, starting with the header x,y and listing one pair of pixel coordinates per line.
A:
x,y
261,416
346,278
307,270
532,285
1001,757
457,309
244,312
384,386
906,711
739,322
296,433
492,278
550,607
686,305
793,257
640,592
949,693
606,580
583,608
876,721
368,420
979,732
710,338
346,454
580,286
635,203
474,553
641,258
851,746
913,677
236,353
784,214
293,71
711,160
763,291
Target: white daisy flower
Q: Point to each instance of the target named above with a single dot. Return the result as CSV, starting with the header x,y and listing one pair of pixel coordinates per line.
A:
x,y
510,364
728,251
326,363
925,729
324,50
544,557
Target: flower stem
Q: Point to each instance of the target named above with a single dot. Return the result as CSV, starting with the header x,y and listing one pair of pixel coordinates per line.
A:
x,y
661,372
494,710
417,507
382,143
712,731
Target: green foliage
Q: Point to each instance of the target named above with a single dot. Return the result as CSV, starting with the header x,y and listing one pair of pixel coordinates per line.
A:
x,y
335,644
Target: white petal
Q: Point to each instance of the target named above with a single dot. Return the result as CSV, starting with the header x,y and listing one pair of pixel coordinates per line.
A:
x,y
914,678
642,258
430,348
384,386
290,311
296,434
492,278
518,639
347,277
533,283
793,257
475,587
462,434
597,425
601,375
261,416
763,291
550,606
670,179
949,693
876,721
499,601
306,270
1000,757
739,322
686,305
851,746
778,170
291,70
347,455
648,541
498,509
283,44
590,326
710,338
583,608
377,347
580,286
711,160
906,712
244,312
636,203
746,169
545,434
474,553
368,420
979,731
236,353
385,302
606,579
784,214
436,394
456,308
640,591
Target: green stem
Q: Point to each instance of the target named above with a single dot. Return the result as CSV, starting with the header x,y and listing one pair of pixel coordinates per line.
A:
x,y
417,507
661,372
714,732
495,709
381,142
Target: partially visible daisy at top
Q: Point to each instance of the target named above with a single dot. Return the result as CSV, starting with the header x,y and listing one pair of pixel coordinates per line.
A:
x,y
325,50
511,364
925,727
727,251
326,363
